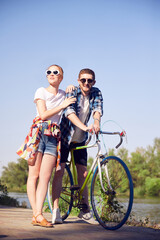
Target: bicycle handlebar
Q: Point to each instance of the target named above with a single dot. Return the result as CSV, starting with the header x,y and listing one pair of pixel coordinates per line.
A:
x,y
121,135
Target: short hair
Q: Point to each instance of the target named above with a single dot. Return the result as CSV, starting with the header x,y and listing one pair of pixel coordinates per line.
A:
x,y
87,70
60,68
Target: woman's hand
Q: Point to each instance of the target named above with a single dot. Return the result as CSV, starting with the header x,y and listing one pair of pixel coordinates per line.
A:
x,y
70,88
68,101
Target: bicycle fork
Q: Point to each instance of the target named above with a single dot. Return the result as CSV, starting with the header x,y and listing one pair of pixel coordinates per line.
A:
x,y
99,158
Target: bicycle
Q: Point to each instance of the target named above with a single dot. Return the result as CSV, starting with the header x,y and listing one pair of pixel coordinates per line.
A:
x,y
111,190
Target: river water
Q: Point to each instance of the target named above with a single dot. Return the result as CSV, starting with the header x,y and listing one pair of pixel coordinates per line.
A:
x,y
142,208
147,208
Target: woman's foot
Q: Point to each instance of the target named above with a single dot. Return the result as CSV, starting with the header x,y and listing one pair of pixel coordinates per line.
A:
x,y
41,221
34,221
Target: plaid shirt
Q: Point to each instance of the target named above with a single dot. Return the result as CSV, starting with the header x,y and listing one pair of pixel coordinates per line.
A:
x,y
95,105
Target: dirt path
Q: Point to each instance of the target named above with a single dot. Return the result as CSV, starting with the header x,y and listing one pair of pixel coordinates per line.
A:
x,y
15,223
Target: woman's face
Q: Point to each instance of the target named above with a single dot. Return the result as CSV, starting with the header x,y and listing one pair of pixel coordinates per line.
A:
x,y
54,75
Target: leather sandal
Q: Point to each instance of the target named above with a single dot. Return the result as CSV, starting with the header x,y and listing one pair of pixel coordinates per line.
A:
x,y
43,223
34,222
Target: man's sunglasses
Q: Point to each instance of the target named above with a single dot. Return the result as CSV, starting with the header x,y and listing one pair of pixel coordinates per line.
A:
x,y
83,80
55,72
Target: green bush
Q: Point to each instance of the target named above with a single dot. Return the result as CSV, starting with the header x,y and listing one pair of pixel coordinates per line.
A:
x,y
152,186
139,191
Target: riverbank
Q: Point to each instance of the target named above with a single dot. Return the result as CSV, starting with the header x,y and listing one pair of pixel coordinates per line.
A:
x,y
15,223
144,211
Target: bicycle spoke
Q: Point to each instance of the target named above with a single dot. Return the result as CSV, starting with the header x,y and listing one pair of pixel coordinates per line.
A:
x,y
112,208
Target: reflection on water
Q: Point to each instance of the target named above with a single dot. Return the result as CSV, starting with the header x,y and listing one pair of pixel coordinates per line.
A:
x,y
142,208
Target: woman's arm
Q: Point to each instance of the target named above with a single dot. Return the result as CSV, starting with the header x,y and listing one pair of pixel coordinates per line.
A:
x,y
45,114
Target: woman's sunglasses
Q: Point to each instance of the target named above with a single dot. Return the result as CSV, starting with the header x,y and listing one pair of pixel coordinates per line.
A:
x,y
83,80
55,72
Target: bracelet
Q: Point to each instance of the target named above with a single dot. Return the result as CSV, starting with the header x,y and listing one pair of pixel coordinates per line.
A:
x,y
97,119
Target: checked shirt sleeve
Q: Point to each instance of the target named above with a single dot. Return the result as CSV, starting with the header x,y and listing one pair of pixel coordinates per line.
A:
x,y
71,108
98,102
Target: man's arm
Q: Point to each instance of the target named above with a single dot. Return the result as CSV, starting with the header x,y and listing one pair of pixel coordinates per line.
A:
x,y
97,119
77,122
97,110
70,113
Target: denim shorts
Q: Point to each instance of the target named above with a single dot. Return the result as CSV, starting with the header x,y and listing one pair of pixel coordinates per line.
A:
x,y
47,144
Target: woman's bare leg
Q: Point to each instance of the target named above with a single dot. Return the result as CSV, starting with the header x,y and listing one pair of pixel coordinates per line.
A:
x,y
32,180
47,165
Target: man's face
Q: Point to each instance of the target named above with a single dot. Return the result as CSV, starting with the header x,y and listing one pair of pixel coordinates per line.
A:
x,y
86,82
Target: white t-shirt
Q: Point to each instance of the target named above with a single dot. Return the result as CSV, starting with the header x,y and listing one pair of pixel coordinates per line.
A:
x,y
79,135
51,100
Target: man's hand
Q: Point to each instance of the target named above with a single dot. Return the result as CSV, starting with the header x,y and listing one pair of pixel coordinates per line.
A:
x,y
96,126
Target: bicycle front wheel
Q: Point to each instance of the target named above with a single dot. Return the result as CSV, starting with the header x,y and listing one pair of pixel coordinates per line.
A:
x,y
113,198
66,196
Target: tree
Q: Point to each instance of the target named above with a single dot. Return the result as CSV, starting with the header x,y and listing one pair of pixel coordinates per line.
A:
x,y
15,175
152,186
145,169
137,165
123,154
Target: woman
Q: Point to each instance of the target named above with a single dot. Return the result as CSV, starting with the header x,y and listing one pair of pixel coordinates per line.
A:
x,y
50,103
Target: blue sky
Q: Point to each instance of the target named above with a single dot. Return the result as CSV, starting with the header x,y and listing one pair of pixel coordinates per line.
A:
x,y
118,39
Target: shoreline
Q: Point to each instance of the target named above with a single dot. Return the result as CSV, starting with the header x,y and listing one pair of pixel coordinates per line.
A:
x,y
142,213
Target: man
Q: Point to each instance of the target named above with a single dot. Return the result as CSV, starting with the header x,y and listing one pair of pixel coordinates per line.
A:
x,y
73,129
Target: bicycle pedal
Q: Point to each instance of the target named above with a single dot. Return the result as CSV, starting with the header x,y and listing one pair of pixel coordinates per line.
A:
x,y
74,187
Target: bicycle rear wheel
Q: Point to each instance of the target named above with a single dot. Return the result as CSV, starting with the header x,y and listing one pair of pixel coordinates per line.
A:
x,y
112,206
66,196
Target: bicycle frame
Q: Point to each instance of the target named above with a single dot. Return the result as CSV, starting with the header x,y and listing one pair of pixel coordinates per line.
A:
x,y
96,160
74,167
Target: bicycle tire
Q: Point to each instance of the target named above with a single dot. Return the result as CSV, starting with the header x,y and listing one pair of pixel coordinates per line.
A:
x,y
66,196
112,207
